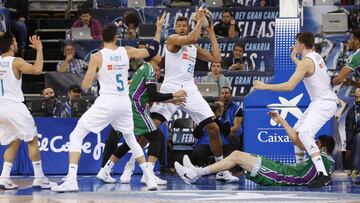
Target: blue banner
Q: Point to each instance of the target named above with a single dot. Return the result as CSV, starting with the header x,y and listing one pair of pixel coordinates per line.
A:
x,y
53,136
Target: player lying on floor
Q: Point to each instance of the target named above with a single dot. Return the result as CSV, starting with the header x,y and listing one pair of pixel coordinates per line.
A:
x,y
264,171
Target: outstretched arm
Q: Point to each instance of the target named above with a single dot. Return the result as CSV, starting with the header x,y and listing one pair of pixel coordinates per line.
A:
x,y
291,132
27,68
213,56
341,77
302,68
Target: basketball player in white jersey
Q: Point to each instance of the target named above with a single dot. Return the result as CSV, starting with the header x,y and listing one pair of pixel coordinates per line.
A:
x,y
113,106
312,71
181,52
16,122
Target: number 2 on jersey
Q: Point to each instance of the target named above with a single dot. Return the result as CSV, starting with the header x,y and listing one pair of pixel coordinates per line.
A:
x,y
190,68
2,87
121,86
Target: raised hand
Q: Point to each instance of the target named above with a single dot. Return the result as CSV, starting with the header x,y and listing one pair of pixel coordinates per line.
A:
x,y
275,116
35,42
160,20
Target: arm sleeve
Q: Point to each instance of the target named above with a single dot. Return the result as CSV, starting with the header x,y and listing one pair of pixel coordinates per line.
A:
x,y
239,112
155,96
354,61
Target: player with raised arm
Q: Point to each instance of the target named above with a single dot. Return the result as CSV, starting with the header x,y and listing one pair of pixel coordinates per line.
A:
x,y
16,122
312,70
113,106
181,52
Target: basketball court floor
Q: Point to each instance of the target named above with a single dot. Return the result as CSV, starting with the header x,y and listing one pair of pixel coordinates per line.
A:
x,y
343,189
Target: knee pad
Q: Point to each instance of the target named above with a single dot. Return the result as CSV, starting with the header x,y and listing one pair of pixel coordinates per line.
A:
x,y
309,143
156,139
76,138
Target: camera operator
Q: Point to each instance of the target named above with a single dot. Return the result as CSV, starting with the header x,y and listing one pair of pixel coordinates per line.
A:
x,y
53,105
202,153
352,126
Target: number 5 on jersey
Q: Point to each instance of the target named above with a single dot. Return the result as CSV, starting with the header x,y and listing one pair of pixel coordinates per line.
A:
x,y
120,82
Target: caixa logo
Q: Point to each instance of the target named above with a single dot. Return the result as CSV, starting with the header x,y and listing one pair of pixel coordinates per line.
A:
x,y
57,144
276,133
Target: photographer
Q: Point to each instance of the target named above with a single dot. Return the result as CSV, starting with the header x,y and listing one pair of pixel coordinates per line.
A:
x,y
202,153
237,61
53,105
352,126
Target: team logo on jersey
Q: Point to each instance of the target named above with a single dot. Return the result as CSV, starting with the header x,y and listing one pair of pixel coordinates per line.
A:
x,y
185,56
109,67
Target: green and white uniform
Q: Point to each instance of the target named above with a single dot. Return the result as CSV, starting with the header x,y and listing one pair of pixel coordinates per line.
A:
x,y
354,62
269,172
140,99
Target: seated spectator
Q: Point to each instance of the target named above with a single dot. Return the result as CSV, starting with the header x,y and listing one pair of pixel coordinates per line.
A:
x,y
74,91
129,21
136,63
131,34
202,154
53,105
227,27
216,76
87,21
19,11
71,64
237,61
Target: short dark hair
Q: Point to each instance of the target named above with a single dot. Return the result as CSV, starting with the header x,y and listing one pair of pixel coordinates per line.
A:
x,y
228,11
109,32
356,33
131,18
226,87
239,44
182,18
328,142
306,38
6,40
84,10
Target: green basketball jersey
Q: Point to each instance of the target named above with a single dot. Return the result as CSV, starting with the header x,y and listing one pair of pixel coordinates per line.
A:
x,y
140,99
354,62
274,173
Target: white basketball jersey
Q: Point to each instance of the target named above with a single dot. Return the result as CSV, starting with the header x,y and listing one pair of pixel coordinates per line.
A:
x,y
10,86
318,85
179,66
113,74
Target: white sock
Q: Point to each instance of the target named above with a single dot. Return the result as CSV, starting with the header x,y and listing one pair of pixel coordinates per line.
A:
x,y
151,166
219,158
38,172
6,170
203,171
109,165
72,173
319,164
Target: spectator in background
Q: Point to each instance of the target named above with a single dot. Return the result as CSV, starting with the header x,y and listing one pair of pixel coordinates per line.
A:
x,y
53,105
71,64
215,76
131,33
74,91
18,14
352,128
136,63
237,61
129,21
227,27
202,154
232,112
87,21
